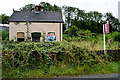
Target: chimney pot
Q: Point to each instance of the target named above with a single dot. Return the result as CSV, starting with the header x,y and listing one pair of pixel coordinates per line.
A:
x,y
37,7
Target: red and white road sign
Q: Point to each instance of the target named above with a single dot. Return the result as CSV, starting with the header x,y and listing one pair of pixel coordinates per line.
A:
x,y
106,27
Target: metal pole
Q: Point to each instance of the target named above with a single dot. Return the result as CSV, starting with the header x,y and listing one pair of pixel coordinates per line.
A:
x,y
104,43
104,38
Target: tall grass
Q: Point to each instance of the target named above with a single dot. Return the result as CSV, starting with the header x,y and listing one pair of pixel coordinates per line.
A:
x,y
97,46
93,41
64,70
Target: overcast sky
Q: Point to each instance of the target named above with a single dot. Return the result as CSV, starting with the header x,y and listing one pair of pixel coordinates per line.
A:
x,y
102,6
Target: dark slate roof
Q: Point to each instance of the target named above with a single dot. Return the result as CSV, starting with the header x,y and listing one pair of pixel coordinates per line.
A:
x,y
31,16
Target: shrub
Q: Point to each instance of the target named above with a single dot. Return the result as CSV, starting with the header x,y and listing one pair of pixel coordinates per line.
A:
x,y
72,31
41,55
44,54
5,34
116,36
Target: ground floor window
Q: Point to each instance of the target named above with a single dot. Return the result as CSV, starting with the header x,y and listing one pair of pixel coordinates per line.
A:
x,y
36,36
51,36
20,36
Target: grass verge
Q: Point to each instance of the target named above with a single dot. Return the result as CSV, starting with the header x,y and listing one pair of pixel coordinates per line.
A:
x,y
63,70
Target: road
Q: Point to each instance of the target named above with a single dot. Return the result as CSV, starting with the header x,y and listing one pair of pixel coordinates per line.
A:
x,y
92,77
113,76
101,76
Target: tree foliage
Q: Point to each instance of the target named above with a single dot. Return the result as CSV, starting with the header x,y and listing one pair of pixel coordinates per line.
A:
x,y
4,19
5,34
48,7
92,20
114,22
28,7
44,7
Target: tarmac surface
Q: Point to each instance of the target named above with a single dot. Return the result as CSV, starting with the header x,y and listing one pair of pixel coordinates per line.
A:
x,y
101,76
114,76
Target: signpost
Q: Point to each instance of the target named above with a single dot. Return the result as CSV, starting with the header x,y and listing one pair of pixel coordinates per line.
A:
x,y
105,30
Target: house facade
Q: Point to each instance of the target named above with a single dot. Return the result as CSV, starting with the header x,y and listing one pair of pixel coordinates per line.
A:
x,y
48,24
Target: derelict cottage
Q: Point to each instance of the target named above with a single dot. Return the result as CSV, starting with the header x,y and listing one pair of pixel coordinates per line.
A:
x,y
40,23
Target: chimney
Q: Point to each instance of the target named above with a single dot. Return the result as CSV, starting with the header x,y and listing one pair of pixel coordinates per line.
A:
x,y
37,7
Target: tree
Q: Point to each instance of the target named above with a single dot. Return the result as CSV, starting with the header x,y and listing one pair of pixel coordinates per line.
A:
x,y
5,34
57,8
48,7
94,21
4,19
113,22
69,13
44,7
28,7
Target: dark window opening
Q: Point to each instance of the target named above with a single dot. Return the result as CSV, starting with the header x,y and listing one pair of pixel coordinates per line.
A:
x,y
36,36
36,39
20,39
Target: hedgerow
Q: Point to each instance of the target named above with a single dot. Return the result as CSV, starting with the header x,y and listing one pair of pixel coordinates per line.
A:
x,y
41,55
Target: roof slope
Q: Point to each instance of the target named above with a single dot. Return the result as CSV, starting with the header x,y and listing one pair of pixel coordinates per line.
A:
x,y
35,17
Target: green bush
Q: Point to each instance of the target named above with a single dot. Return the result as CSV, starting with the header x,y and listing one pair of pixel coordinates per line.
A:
x,y
81,35
72,31
5,34
42,54
116,36
23,56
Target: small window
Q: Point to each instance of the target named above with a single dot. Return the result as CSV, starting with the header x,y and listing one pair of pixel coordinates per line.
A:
x,y
36,36
51,36
20,36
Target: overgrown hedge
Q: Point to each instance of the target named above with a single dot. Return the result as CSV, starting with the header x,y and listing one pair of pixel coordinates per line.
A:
x,y
41,55
45,54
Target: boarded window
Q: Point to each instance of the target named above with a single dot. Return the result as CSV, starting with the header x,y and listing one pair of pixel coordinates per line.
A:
x,y
20,36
